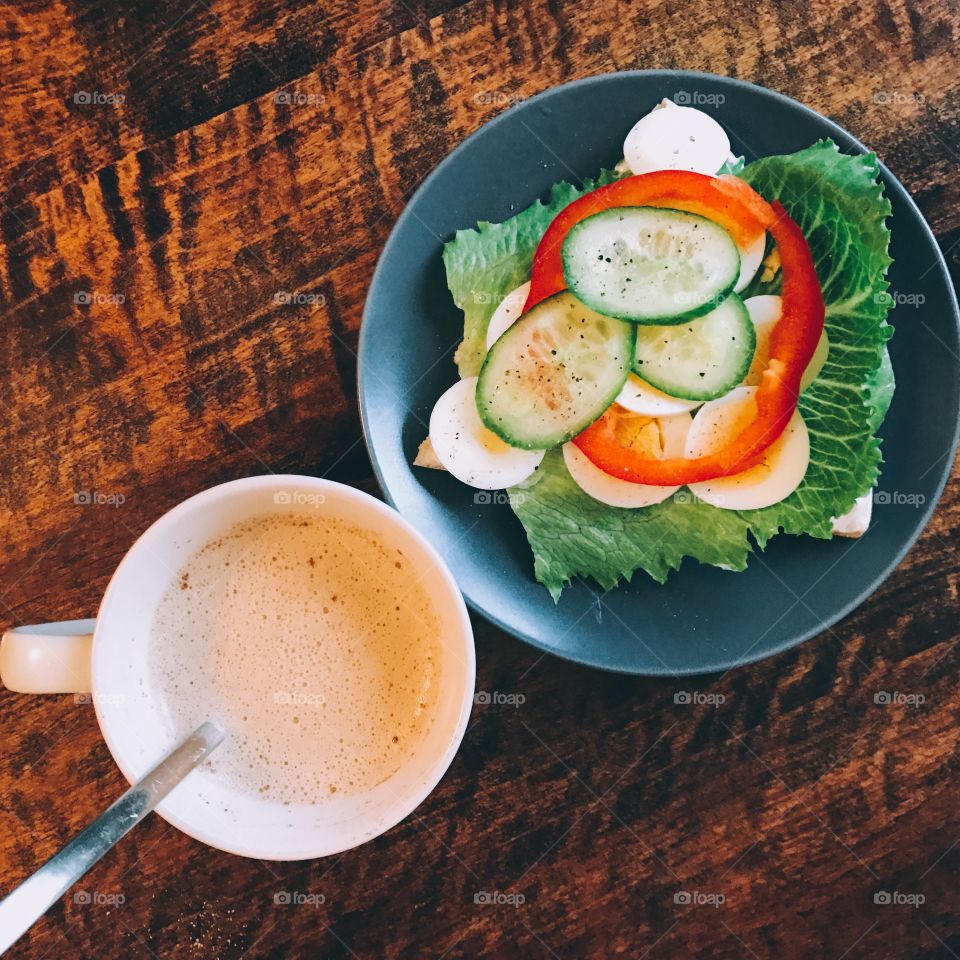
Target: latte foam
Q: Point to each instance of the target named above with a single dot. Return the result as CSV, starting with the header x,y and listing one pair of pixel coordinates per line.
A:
x,y
314,645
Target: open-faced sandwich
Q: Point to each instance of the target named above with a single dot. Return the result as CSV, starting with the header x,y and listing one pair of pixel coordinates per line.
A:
x,y
684,357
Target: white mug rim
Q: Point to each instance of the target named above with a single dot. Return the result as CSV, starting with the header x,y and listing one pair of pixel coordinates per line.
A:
x,y
161,527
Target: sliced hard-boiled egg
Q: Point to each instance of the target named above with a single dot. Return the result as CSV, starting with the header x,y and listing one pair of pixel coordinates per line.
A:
x,y
472,453
765,312
663,437
508,310
671,137
817,361
751,256
638,396
770,481
673,434
856,520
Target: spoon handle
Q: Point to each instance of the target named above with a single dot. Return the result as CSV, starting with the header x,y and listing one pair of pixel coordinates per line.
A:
x,y
25,904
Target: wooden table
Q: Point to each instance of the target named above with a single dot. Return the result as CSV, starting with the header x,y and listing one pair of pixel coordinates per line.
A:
x,y
172,172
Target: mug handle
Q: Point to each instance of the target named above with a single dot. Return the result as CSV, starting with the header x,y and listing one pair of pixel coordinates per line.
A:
x,y
48,657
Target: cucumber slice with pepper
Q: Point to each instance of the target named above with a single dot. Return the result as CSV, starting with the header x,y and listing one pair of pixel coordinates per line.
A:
x,y
553,373
650,265
701,359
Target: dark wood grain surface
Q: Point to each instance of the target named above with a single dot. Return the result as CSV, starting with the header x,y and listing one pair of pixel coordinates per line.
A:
x,y
170,171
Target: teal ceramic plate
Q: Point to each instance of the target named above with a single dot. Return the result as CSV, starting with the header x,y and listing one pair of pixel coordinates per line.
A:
x,y
703,619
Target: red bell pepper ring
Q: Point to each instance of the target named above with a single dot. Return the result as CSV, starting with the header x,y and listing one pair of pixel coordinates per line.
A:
x,y
740,210
792,344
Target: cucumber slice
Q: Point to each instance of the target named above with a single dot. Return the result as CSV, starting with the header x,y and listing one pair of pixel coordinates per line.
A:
x,y
553,373
650,265
702,359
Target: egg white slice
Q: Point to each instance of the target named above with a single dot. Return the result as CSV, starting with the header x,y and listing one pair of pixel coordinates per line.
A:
x,y
770,481
621,493
765,312
638,396
507,312
671,137
472,453
751,257
856,521
673,432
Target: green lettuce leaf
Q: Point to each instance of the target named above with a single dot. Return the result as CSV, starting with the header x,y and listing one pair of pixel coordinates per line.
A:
x,y
732,165
572,534
839,204
880,387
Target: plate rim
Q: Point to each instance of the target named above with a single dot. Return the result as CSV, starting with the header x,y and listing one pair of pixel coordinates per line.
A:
x,y
750,658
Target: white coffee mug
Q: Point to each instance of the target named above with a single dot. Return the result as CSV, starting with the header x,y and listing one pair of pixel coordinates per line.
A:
x,y
105,661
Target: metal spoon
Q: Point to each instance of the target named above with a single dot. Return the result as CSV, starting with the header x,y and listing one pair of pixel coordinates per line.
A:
x,y
21,908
